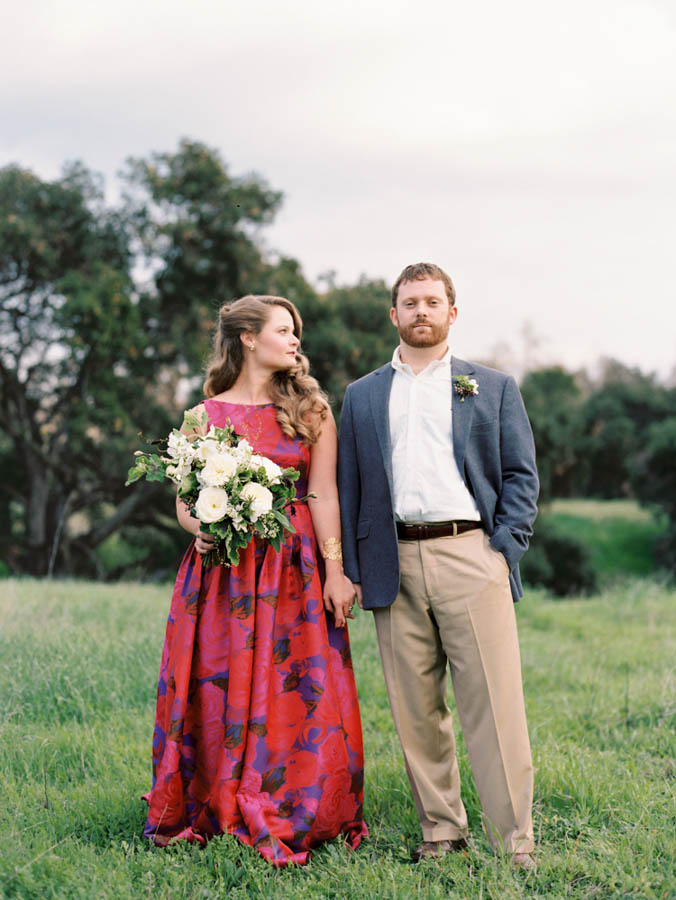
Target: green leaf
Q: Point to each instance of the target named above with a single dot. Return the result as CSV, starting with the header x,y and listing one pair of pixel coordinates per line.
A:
x,y
194,420
281,518
189,485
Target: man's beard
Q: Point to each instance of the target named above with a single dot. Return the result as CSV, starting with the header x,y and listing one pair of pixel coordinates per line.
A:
x,y
426,337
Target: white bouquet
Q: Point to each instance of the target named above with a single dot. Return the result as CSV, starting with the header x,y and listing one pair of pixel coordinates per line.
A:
x,y
234,492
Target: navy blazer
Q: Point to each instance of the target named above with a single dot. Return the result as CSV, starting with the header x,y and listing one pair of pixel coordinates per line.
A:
x,y
494,452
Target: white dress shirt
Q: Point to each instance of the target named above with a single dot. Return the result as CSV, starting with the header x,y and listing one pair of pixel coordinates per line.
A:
x,y
427,484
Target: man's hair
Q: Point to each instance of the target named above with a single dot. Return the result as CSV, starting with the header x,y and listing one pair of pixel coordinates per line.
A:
x,y
420,271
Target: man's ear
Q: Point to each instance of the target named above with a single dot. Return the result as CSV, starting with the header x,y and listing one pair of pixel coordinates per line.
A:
x,y
394,319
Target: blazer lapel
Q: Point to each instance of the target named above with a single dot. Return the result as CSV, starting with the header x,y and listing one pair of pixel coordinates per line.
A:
x,y
381,385
462,412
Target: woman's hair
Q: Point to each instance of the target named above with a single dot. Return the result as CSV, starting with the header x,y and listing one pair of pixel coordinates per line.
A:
x,y
301,405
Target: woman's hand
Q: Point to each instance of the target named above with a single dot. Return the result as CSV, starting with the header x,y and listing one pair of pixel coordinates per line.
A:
x,y
339,597
204,542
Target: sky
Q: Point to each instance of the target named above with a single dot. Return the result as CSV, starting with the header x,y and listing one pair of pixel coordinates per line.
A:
x,y
529,148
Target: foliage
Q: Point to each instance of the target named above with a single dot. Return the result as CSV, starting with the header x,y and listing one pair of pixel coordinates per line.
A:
x,y
559,562
596,438
195,228
71,346
655,476
622,406
554,402
655,480
77,699
350,334
106,317
89,354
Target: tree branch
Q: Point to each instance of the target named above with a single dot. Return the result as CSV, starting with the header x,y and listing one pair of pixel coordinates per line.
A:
x,y
100,532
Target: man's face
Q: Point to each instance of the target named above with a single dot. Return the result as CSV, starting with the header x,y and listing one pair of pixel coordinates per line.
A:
x,y
423,314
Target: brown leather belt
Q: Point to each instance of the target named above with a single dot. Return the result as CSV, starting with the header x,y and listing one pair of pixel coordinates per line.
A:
x,y
407,532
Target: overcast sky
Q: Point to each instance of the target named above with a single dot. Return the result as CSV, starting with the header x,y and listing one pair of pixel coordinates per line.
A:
x,y
528,147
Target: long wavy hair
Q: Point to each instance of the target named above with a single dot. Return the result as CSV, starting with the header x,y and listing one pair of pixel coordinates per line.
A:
x,y
301,405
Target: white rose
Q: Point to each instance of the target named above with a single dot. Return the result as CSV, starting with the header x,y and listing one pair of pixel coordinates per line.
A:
x,y
272,470
219,468
261,499
212,504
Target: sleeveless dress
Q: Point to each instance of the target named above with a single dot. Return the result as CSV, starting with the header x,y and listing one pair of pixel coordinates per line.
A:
x,y
257,726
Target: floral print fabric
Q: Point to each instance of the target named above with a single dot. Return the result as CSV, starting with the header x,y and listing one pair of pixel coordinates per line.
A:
x,y
257,729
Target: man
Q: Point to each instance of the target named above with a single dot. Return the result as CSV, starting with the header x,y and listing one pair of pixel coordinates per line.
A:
x,y
438,490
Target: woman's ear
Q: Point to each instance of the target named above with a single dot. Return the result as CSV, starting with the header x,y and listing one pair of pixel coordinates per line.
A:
x,y
248,339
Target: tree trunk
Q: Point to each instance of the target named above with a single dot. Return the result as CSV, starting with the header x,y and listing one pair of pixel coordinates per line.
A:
x,y
36,516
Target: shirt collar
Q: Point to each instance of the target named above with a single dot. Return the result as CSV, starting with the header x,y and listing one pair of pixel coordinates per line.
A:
x,y
433,367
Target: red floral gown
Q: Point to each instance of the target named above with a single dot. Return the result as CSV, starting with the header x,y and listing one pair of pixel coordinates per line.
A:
x,y
257,727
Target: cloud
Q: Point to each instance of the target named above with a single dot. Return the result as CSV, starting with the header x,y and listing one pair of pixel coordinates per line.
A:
x,y
527,146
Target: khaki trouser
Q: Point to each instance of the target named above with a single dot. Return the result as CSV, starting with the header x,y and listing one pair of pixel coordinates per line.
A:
x,y
455,606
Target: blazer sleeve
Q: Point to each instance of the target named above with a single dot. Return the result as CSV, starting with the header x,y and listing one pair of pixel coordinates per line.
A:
x,y
349,490
516,507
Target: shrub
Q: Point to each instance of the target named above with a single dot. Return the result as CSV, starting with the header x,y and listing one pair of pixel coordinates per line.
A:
x,y
666,549
558,562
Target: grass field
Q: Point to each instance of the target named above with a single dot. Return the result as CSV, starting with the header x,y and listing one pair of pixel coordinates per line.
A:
x,y
78,669
620,534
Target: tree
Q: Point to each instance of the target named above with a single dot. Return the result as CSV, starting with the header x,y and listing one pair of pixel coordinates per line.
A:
x,y
351,334
346,330
195,229
617,414
89,355
65,309
654,478
554,401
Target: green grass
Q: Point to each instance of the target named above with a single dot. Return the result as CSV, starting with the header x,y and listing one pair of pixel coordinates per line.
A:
x,y
78,665
620,534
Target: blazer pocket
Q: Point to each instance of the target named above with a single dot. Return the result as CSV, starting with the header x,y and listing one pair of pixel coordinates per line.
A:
x,y
363,528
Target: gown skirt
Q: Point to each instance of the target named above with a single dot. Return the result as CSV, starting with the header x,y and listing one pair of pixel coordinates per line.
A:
x,y
257,726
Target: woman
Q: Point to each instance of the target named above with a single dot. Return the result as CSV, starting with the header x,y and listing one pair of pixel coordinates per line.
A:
x,y
257,729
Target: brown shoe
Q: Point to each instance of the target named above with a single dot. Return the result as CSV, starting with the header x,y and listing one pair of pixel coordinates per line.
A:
x,y
434,849
523,861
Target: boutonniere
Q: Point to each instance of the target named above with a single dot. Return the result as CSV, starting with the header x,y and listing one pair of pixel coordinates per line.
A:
x,y
466,387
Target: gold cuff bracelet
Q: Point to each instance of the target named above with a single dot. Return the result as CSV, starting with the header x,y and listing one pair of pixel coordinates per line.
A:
x,y
332,548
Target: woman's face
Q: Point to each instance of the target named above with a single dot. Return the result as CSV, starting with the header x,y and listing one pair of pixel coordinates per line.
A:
x,y
276,344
